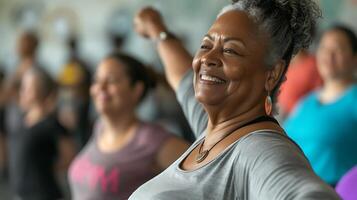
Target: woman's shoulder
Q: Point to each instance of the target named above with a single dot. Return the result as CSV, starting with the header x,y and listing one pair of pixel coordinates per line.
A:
x,y
354,91
267,138
312,96
153,132
273,164
52,125
307,103
269,146
152,128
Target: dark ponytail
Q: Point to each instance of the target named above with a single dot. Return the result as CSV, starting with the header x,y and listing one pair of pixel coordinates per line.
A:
x,y
136,71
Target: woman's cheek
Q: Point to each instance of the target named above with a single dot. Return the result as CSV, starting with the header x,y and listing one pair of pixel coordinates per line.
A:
x,y
196,64
233,72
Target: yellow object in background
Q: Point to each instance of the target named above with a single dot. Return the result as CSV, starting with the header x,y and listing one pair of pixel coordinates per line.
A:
x,y
71,75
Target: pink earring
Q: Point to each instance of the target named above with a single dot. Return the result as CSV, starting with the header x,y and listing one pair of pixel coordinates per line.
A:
x,y
268,105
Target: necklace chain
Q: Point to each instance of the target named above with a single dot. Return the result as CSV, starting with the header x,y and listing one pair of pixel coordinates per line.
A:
x,y
202,155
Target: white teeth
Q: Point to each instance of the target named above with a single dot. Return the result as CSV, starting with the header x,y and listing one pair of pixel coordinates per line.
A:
x,y
211,78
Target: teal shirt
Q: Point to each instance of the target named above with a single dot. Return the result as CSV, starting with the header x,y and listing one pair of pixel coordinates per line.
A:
x,y
327,133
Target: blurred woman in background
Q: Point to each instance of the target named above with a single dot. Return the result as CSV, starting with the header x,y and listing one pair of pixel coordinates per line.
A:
x,y
124,152
38,146
325,122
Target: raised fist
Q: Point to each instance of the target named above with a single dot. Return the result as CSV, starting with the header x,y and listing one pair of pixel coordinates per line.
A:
x,y
148,23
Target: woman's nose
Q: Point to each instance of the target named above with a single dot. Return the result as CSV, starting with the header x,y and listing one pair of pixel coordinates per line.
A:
x,y
211,59
101,85
331,56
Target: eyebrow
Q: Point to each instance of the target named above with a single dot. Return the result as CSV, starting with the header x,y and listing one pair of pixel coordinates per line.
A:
x,y
227,39
208,36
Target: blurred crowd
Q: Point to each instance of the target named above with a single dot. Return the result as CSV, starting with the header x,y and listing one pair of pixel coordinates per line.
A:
x,y
46,121
86,122
318,102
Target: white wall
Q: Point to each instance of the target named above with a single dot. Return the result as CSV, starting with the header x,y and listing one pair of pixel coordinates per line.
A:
x,y
90,19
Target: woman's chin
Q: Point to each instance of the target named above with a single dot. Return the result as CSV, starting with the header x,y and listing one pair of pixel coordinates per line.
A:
x,y
208,99
103,110
210,94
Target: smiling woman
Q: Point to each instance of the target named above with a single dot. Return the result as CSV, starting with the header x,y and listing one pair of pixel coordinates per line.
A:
x,y
231,56
241,151
124,152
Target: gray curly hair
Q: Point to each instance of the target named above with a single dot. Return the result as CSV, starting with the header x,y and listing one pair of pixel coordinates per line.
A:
x,y
290,24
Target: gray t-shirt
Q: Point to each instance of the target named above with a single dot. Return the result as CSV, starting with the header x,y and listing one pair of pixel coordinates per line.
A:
x,y
261,165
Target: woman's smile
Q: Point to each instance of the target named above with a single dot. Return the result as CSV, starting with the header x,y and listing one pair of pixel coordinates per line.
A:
x,y
103,97
211,80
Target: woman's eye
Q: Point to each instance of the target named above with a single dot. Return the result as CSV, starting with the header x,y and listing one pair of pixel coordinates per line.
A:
x,y
204,46
230,51
112,80
105,81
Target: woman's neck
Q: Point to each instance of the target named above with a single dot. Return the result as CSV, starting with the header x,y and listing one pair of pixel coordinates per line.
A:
x,y
333,89
220,123
35,114
27,62
116,126
116,132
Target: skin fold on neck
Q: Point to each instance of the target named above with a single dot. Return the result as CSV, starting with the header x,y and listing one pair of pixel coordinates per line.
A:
x,y
225,124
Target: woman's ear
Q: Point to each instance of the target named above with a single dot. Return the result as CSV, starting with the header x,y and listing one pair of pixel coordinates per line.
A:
x,y
138,90
355,62
274,75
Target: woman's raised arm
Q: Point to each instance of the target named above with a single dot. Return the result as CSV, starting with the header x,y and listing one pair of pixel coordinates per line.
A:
x,y
176,59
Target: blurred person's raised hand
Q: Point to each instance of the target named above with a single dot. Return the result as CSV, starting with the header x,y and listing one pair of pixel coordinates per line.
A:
x,y
148,23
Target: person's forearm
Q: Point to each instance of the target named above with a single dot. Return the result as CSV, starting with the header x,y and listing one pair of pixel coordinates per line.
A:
x,y
176,60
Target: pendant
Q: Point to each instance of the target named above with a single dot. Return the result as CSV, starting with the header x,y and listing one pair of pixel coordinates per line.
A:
x,y
201,156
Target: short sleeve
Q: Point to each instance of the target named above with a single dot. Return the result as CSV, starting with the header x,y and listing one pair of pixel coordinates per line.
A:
x,y
278,170
156,134
193,110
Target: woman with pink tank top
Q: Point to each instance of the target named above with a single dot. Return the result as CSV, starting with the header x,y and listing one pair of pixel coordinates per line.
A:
x,y
123,152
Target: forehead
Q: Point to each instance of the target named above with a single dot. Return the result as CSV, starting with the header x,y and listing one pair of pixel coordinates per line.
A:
x,y
336,37
236,23
110,66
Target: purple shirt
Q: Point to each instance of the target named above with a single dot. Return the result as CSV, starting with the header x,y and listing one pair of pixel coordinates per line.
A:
x,y
98,175
347,187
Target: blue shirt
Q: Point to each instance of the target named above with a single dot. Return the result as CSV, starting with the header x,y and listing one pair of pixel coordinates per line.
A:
x,y
327,133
